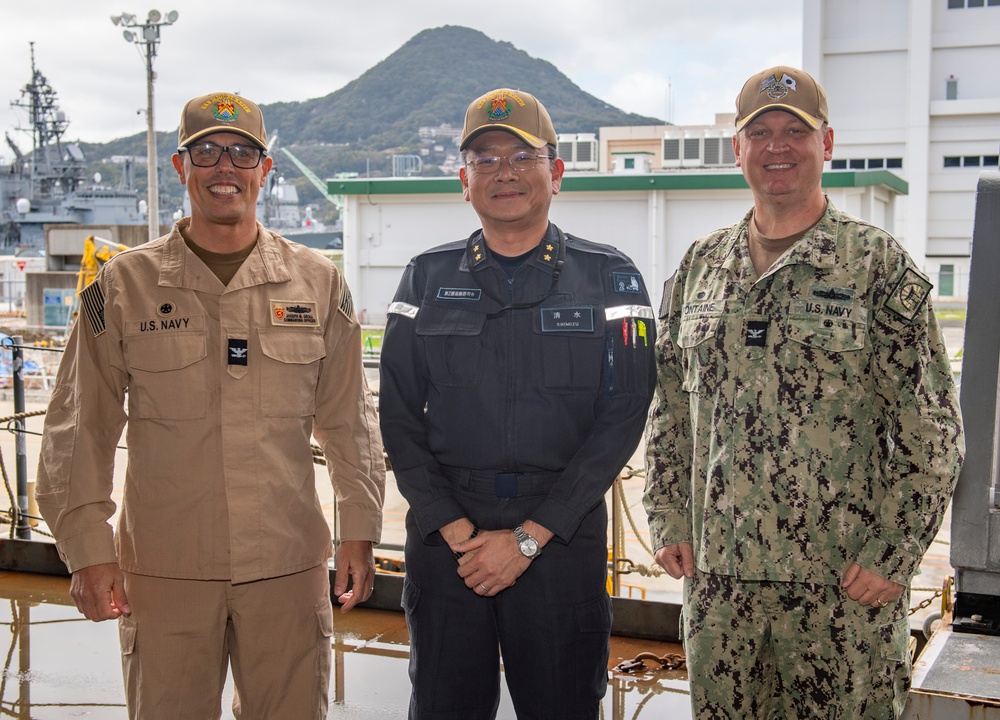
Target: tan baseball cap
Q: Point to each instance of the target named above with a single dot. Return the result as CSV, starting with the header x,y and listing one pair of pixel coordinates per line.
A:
x,y
782,88
511,110
221,112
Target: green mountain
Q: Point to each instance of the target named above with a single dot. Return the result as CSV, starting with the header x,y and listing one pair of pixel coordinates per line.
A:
x,y
429,81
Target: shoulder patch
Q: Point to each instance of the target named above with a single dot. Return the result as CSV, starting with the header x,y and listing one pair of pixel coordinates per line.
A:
x,y
626,282
347,302
908,297
668,291
92,302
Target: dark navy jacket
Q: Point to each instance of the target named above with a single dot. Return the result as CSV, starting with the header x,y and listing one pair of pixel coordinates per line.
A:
x,y
560,387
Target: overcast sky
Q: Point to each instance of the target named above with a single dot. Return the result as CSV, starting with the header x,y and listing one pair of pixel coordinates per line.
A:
x,y
682,60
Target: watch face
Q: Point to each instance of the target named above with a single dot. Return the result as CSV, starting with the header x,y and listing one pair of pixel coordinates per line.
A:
x,y
528,546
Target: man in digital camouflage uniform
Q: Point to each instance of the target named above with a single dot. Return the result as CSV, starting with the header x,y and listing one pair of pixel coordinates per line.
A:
x,y
805,437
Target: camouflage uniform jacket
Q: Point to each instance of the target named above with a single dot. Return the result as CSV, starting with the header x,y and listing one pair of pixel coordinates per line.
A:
x,y
806,419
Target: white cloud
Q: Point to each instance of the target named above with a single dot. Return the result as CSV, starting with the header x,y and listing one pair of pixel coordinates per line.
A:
x,y
622,52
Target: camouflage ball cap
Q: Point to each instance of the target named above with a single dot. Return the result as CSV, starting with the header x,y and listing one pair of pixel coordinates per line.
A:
x,y
782,88
516,112
221,112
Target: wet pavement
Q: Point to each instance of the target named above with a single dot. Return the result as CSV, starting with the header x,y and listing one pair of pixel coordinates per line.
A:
x,y
59,665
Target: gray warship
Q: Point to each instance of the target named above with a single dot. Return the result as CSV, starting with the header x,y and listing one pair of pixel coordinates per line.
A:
x,y
49,184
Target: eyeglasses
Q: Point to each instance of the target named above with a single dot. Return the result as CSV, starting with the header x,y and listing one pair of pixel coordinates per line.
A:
x,y
490,164
209,154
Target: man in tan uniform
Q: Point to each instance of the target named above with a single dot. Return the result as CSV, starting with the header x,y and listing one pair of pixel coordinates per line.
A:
x,y
234,347
805,437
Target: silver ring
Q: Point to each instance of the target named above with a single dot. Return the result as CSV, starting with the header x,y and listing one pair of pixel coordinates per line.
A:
x,y
485,589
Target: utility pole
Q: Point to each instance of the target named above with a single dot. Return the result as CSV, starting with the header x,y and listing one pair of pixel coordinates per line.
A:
x,y
148,37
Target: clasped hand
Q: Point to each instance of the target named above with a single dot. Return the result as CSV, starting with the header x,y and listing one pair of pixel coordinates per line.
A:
x,y
492,562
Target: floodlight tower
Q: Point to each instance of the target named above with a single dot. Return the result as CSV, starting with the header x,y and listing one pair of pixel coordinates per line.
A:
x,y
147,38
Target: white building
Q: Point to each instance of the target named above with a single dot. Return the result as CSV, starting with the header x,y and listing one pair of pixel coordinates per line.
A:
x,y
652,217
913,87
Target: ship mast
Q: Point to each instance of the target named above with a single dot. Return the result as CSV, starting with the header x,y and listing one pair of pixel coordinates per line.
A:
x,y
54,170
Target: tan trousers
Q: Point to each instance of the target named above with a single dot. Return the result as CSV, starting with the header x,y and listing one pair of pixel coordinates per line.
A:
x,y
183,634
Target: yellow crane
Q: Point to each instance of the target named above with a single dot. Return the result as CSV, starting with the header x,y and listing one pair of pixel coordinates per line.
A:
x,y
96,252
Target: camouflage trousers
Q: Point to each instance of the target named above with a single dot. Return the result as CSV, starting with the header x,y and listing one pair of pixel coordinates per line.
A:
x,y
763,650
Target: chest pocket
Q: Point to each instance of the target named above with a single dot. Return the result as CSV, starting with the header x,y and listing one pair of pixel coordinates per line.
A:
x,y
571,361
698,337
822,355
168,375
289,372
453,342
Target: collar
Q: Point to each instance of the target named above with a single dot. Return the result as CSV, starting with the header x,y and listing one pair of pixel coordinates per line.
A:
x,y
180,267
818,247
547,255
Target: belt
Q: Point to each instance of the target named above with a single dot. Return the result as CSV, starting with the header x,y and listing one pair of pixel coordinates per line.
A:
x,y
502,483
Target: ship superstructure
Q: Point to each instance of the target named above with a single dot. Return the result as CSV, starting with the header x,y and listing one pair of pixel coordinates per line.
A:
x,y
49,183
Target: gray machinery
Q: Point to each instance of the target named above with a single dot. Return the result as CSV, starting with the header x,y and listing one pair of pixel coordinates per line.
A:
x,y
958,673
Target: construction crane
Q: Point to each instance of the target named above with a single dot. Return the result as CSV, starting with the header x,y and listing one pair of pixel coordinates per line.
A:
x,y
96,252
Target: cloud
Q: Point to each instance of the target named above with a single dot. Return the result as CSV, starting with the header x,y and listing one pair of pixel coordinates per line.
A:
x,y
624,53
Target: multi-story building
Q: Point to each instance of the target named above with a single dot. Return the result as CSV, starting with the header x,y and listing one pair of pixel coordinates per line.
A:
x,y
913,87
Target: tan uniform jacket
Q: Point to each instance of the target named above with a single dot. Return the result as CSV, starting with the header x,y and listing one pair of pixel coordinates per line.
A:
x,y
225,387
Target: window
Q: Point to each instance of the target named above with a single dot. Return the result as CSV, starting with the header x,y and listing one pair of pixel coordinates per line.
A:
x,y
951,88
946,281
630,163
955,4
974,3
954,161
870,163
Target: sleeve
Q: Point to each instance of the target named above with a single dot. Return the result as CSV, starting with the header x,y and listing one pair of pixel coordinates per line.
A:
x,y
620,409
82,427
402,396
346,425
916,398
669,443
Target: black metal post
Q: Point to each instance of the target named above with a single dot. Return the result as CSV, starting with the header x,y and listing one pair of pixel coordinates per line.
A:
x,y
21,452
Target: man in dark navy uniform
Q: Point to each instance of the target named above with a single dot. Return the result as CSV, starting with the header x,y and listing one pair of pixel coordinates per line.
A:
x,y
517,370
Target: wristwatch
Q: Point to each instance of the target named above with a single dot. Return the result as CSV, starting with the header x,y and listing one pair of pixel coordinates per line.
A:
x,y
526,544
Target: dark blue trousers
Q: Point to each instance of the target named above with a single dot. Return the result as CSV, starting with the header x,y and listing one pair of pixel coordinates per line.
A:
x,y
552,628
